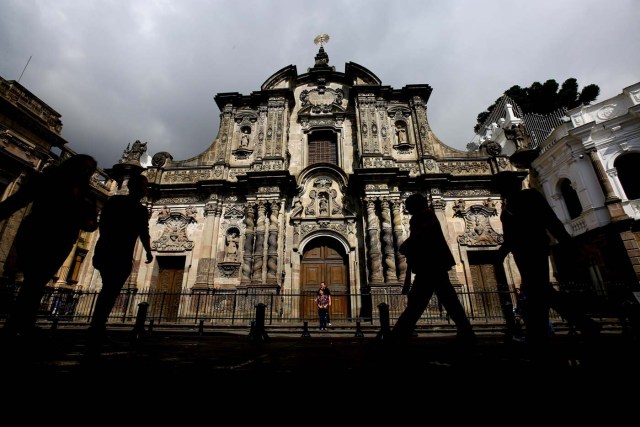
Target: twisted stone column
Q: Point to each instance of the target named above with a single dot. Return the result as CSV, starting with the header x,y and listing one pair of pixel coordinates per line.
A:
x,y
258,256
373,244
387,244
272,251
401,261
247,257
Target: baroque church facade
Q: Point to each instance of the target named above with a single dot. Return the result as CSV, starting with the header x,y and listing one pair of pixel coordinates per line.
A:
x,y
305,182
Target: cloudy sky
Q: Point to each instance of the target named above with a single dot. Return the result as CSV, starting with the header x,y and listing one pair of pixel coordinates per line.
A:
x,y
123,70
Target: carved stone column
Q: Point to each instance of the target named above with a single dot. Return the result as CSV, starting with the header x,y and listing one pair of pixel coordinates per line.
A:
x,y
401,262
272,251
249,222
612,202
65,269
373,244
258,256
387,244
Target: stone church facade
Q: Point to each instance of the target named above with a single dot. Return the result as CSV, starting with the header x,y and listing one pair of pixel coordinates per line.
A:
x,y
305,182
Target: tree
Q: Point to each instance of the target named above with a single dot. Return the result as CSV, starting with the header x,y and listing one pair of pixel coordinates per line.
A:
x,y
545,98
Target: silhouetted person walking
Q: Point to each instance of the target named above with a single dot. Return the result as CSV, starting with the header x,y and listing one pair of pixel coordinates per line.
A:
x,y
526,218
430,258
122,221
60,208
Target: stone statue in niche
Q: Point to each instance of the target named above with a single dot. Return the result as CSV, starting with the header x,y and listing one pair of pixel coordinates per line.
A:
x,y
323,204
244,139
233,240
401,132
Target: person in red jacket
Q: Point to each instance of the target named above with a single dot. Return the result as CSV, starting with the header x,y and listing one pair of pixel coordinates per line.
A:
x,y
429,257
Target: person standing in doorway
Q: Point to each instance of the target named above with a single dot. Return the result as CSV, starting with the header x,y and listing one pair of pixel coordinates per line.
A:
x,y
322,300
327,292
123,220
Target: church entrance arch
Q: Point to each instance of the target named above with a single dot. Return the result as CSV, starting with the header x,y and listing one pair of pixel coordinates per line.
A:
x,y
324,260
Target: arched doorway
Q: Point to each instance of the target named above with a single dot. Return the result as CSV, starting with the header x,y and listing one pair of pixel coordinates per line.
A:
x,y
324,259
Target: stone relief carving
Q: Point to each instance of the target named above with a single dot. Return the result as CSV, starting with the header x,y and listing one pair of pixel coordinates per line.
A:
x,y
479,231
190,176
178,200
606,112
464,167
493,148
466,193
159,159
174,235
234,212
229,270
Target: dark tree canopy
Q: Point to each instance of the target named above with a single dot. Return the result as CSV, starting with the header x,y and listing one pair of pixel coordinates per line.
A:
x,y
545,98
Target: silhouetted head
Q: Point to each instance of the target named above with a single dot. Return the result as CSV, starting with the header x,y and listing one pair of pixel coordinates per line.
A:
x,y
77,169
507,182
416,203
138,185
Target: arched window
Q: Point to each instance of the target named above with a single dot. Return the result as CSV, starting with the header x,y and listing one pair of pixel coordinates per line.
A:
x,y
323,147
571,200
628,167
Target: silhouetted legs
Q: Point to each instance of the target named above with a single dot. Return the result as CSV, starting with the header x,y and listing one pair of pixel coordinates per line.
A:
x,y
423,288
112,282
541,296
22,318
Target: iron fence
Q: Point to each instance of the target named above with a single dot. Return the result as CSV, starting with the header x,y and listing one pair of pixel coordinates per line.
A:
x,y
224,307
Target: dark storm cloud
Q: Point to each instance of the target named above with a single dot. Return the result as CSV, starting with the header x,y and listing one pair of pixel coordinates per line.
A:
x,y
118,71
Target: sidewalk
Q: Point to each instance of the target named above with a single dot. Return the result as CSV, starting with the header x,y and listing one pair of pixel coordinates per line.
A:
x,y
232,355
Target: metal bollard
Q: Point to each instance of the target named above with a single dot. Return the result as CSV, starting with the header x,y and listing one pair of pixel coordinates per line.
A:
x,y
359,333
150,328
201,327
258,333
305,330
141,318
385,331
54,323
